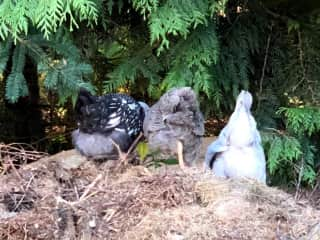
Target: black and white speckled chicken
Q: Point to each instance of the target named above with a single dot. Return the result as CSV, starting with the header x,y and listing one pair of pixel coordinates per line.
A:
x,y
175,125
107,123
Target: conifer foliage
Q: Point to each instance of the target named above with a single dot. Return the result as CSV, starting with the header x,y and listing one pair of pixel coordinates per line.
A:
x,y
48,16
218,47
35,28
182,46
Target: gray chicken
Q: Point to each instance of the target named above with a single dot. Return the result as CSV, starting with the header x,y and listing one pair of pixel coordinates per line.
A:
x,y
175,126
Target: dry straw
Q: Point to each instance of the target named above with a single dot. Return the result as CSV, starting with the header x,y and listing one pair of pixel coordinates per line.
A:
x,y
49,199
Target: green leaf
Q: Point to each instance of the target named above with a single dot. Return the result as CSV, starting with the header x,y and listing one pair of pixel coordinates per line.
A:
x,y
143,150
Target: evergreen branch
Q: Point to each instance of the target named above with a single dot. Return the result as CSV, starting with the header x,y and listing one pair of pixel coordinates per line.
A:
x,y
4,54
177,18
15,16
16,85
145,6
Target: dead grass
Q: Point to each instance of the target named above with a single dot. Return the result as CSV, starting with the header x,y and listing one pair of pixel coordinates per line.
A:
x,y
67,197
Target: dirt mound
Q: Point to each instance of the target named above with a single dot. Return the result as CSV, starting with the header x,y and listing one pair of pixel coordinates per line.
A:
x,y
67,197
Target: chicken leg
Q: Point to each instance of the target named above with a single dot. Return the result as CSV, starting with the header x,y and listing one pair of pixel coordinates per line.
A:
x,y
123,157
180,154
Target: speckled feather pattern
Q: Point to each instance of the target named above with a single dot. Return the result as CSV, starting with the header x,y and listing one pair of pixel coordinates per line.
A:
x,y
101,118
176,116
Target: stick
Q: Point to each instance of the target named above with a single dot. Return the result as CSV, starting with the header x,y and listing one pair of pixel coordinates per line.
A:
x,y
134,143
91,185
264,67
24,193
84,194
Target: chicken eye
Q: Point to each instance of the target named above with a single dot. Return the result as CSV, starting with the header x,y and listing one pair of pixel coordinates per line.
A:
x,y
175,108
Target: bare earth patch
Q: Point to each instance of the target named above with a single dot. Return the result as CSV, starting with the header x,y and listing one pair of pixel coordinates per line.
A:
x,y
67,197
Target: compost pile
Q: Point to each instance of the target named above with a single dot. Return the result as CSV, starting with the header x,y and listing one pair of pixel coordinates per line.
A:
x,y
67,197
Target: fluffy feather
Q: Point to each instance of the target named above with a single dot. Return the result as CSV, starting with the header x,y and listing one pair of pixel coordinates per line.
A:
x,y
237,152
107,118
176,116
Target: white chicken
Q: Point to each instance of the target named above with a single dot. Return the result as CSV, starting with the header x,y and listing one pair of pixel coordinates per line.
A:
x,y
237,152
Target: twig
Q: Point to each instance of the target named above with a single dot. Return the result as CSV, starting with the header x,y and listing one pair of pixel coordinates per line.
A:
x,y
90,186
84,195
275,130
8,159
123,157
76,191
299,179
135,143
264,66
16,150
25,230
301,60
315,188
51,136
24,193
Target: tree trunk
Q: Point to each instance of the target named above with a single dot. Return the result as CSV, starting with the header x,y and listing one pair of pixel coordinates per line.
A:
x,y
24,118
